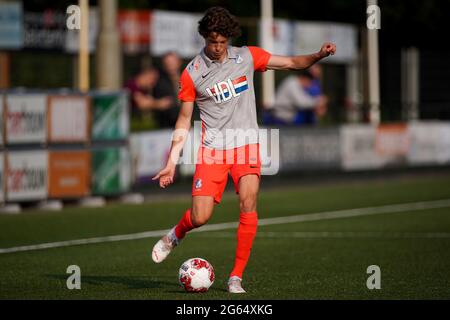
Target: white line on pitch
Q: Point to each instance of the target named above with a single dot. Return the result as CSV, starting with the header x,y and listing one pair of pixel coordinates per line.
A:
x,y
336,235
405,207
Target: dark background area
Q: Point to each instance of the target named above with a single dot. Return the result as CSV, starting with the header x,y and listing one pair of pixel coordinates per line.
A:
x,y
404,23
419,23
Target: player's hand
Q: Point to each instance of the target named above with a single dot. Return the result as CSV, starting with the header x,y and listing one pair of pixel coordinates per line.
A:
x,y
165,176
327,49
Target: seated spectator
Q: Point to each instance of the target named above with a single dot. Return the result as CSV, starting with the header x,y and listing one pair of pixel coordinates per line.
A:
x,y
167,86
315,89
298,101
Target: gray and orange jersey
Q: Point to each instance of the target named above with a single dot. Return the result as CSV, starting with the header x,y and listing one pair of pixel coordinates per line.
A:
x,y
225,95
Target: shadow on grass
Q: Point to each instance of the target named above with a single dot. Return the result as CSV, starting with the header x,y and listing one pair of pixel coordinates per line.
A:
x,y
133,282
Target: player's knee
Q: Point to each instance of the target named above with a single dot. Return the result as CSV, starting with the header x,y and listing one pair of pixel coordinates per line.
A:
x,y
199,218
248,204
199,221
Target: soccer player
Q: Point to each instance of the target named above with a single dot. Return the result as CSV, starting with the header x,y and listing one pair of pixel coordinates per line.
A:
x,y
220,80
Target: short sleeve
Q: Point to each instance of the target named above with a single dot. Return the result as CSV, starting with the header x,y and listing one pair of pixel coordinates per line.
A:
x,y
260,58
187,91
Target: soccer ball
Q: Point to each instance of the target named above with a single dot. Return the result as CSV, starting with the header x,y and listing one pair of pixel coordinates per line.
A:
x,y
196,275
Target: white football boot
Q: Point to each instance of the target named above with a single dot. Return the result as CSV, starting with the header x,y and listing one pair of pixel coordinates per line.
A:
x,y
235,285
164,246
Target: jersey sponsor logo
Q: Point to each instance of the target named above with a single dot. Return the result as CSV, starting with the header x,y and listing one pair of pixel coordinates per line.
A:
x,y
227,90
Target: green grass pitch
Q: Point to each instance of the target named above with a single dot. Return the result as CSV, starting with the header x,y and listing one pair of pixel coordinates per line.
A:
x,y
323,259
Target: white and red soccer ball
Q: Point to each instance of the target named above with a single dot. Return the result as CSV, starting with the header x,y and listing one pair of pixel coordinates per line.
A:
x,y
196,275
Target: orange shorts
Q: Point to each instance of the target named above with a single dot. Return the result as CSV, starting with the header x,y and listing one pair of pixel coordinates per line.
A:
x,y
213,166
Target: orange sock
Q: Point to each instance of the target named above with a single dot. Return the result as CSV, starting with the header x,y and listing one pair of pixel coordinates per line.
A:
x,y
185,225
248,223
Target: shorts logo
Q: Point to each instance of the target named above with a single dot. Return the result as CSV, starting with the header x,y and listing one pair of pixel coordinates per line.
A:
x,y
227,90
198,183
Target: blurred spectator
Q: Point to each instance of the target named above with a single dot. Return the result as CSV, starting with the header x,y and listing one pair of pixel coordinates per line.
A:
x,y
167,86
315,89
299,100
141,89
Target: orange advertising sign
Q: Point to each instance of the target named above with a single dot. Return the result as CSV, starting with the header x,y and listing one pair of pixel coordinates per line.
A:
x,y
392,140
69,174
134,26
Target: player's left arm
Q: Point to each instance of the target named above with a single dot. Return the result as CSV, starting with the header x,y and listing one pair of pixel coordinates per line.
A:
x,y
300,62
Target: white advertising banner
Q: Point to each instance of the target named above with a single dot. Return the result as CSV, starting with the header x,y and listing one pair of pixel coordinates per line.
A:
x,y
283,37
369,147
309,37
443,153
309,148
425,143
26,118
430,143
149,153
69,118
358,147
26,176
175,31
125,178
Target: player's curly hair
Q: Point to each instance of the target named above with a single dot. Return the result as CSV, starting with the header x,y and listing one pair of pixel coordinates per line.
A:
x,y
219,20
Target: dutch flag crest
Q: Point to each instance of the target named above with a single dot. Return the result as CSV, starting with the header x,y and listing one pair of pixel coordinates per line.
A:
x,y
240,84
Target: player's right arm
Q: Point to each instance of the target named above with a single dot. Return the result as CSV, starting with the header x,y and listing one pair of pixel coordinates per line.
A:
x,y
187,95
300,62
182,127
